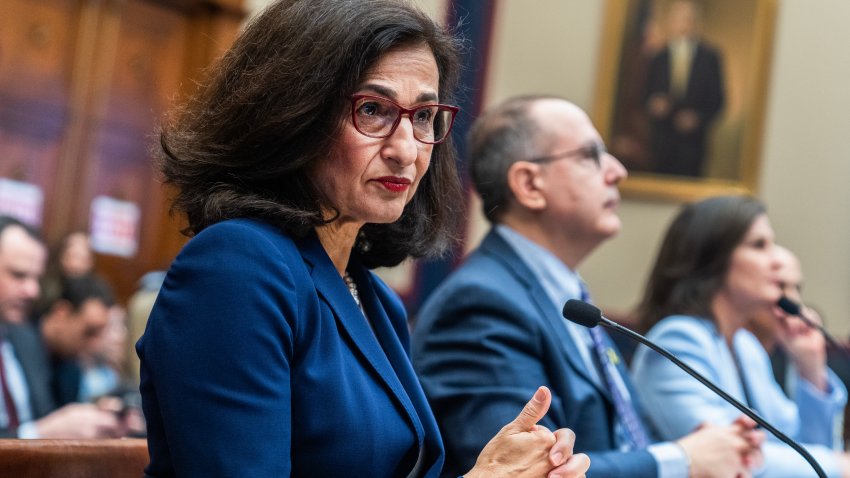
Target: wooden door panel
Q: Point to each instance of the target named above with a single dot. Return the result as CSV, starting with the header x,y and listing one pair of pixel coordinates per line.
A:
x,y
82,85
37,43
37,49
138,86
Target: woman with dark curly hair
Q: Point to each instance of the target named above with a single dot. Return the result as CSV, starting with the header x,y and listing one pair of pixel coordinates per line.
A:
x,y
319,148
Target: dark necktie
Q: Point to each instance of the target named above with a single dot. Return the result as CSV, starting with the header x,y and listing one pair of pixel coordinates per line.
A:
x,y
11,410
633,430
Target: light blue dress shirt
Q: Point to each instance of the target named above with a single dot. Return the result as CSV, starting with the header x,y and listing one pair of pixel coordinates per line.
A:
x,y
561,284
677,403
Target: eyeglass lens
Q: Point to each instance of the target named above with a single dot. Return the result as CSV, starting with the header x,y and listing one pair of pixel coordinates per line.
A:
x,y
595,152
378,118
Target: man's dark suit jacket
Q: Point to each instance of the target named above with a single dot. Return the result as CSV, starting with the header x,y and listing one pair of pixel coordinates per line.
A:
x,y
483,343
683,153
31,355
66,381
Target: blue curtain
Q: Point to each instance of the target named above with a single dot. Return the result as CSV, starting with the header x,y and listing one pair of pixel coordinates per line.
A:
x,y
472,20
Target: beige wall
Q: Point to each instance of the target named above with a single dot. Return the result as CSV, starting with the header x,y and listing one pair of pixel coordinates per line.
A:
x,y
551,46
807,149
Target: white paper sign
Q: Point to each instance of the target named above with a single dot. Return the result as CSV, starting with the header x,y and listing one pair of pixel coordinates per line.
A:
x,y
114,226
21,200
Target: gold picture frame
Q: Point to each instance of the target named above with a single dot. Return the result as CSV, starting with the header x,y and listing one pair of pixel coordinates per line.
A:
x,y
741,31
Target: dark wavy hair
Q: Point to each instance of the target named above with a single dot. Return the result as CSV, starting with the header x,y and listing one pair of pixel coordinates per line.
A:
x,y
694,257
244,145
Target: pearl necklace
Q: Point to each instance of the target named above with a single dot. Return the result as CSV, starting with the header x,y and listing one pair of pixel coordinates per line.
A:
x,y
352,288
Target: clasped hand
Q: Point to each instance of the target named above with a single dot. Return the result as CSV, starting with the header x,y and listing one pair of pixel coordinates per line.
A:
x,y
731,451
522,448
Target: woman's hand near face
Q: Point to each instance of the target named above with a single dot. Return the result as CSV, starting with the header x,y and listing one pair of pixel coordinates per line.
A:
x,y
524,449
806,345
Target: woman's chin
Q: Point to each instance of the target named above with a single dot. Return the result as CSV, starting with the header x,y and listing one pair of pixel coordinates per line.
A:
x,y
383,218
389,213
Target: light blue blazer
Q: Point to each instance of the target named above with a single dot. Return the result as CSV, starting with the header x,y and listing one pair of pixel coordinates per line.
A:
x,y
676,403
257,362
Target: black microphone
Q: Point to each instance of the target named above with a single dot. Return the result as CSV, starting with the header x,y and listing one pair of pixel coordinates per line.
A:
x,y
589,316
792,308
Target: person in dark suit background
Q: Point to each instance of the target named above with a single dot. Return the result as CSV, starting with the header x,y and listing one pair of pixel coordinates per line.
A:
x,y
22,259
27,406
494,328
71,327
316,150
684,94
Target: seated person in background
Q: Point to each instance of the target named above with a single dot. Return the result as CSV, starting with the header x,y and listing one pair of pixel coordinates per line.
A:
x,y
71,328
81,328
104,377
717,267
103,364
27,406
780,338
765,325
493,330
71,257
138,311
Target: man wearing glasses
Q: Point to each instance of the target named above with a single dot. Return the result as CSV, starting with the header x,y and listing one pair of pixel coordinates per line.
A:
x,y
493,331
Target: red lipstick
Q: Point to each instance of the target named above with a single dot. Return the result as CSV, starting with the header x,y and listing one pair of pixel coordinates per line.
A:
x,y
394,183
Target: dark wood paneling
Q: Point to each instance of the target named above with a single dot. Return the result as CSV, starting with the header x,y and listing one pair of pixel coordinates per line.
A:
x,y
37,50
37,41
135,88
83,84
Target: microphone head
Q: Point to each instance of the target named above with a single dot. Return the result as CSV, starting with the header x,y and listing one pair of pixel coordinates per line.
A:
x,y
788,306
582,313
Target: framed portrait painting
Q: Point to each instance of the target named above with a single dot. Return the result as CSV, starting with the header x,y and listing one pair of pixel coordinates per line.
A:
x,y
681,93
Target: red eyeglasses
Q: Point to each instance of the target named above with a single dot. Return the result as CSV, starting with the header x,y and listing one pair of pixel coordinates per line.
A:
x,y
378,117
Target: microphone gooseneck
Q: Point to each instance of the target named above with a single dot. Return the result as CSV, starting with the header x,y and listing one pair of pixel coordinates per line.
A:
x,y
583,313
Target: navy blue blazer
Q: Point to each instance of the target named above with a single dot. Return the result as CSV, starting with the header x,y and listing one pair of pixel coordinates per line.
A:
x,y
485,340
256,361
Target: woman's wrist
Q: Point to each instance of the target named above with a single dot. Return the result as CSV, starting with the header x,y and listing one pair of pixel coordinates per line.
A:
x,y
815,374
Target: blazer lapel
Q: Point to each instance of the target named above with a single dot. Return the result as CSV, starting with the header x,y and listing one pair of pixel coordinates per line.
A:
x,y
495,245
335,293
394,342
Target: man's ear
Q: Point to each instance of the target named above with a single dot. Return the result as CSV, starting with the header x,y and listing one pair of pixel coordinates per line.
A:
x,y
526,183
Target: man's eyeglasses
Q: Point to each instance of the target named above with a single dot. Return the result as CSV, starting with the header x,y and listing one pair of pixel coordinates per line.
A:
x,y
594,151
378,117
